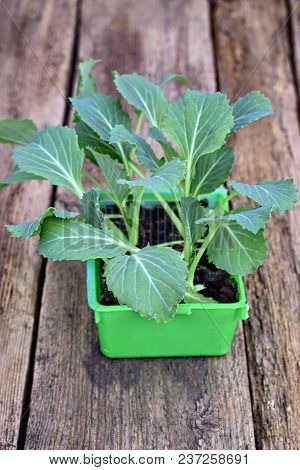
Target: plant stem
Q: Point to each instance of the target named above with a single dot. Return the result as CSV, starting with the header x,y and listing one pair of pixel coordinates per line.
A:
x,y
136,169
139,122
188,179
98,185
125,218
176,221
137,131
177,205
134,231
227,199
116,229
187,250
124,160
112,216
90,178
175,242
198,256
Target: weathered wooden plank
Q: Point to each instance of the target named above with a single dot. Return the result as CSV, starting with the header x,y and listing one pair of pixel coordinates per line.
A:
x,y
248,59
294,7
81,399
26,90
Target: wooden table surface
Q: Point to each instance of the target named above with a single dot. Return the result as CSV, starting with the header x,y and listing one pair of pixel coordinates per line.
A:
x,y
56,390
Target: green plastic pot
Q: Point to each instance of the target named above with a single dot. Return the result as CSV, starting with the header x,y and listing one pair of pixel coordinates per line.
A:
x,y
195,330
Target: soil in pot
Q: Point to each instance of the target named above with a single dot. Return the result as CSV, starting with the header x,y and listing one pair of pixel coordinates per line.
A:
x,y
156,227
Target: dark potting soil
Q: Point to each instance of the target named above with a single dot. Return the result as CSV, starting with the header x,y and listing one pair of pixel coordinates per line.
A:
x,y
156,227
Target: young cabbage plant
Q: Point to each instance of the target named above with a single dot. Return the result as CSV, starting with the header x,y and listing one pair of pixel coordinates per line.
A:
x,y
192,133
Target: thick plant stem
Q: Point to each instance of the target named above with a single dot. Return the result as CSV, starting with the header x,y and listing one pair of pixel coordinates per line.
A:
x,y
188,179
134,231
200,253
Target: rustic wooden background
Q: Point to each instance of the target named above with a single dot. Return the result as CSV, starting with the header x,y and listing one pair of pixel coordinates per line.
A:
x,y
56,390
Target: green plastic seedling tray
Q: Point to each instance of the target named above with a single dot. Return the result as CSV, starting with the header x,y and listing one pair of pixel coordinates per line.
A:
x,y
195,330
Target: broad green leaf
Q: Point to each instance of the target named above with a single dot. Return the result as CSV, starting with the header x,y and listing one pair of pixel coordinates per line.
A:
x,y
192,211
101,113
198,123
144,95
91,208
54,154
18,176
166,177
252,219
88,138
212,170
86,82
249,108
152,282
75,240
280,194
17,131
33,228
112,173
193,297
167,148
167,77
237,250
144,152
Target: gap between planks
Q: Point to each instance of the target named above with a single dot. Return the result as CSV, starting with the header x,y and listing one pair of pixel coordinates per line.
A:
x,y
30,372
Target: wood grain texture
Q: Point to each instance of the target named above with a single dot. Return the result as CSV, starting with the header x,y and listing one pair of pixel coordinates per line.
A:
x,y
294,7
80,399
26,91
248,59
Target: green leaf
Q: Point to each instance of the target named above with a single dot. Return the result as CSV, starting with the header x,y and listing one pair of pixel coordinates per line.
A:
x,y
54,154
248,217
212,170
74,240
167,77
17,131
191,211
91,208
193,297
86,82
33,228
280,194
198,123
88,138
101,113
167,148
249,108
166,177
237,250
144,152
144,95
18,176
152,282
112,173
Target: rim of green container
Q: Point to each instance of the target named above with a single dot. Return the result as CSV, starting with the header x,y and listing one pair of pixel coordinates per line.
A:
x,y
93,277
94,293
